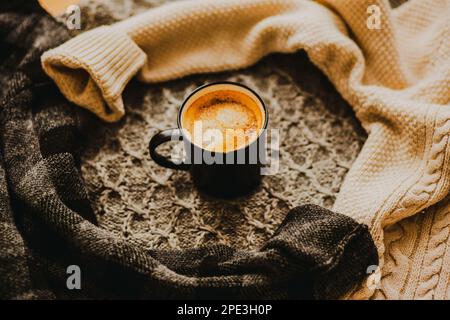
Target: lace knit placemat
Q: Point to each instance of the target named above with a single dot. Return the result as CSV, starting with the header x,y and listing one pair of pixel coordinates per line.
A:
x,y
157,207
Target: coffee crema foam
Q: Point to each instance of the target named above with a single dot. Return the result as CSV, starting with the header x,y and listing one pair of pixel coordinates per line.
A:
x,y
223,120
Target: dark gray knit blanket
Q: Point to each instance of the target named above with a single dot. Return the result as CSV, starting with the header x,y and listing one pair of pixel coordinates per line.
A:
x,y
47,223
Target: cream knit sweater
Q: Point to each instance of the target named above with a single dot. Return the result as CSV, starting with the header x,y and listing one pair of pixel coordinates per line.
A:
x,y
396,77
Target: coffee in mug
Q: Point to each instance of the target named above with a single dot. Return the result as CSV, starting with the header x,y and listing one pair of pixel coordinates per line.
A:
x,y
232,118
223,128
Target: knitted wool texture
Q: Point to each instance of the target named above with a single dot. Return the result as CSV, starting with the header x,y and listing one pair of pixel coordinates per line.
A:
x,y
321,139
47,223
396,77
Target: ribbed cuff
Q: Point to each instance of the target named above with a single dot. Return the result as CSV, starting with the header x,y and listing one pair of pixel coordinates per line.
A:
x,y
92,69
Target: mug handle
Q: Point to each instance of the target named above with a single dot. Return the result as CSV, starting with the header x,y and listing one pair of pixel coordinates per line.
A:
x,y
160,138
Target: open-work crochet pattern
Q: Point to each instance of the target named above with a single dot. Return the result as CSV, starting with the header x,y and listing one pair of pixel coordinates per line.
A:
x,y
395,75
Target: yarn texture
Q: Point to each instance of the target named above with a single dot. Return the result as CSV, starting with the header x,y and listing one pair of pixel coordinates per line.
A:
x,y
48,226
395,76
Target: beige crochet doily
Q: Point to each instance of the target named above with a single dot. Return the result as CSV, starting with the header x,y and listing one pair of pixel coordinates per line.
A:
x,y
156,207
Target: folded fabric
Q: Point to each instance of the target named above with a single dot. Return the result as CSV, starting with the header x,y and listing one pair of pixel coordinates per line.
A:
x,y
47,224
391,65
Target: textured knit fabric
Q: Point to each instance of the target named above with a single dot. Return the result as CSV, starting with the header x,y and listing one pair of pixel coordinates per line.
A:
x,y
46,221
417,256
396,77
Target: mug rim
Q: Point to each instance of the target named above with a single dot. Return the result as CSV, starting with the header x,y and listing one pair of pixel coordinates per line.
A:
x,y
206,85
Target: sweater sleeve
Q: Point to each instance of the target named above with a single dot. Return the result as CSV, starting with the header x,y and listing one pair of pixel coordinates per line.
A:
x,y
92,69
176,40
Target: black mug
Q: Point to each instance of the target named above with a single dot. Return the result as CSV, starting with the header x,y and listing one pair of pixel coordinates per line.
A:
x,y
221,174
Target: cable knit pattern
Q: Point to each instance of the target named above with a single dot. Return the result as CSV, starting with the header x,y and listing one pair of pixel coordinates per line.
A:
x,y
438,246
396,78
418,256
